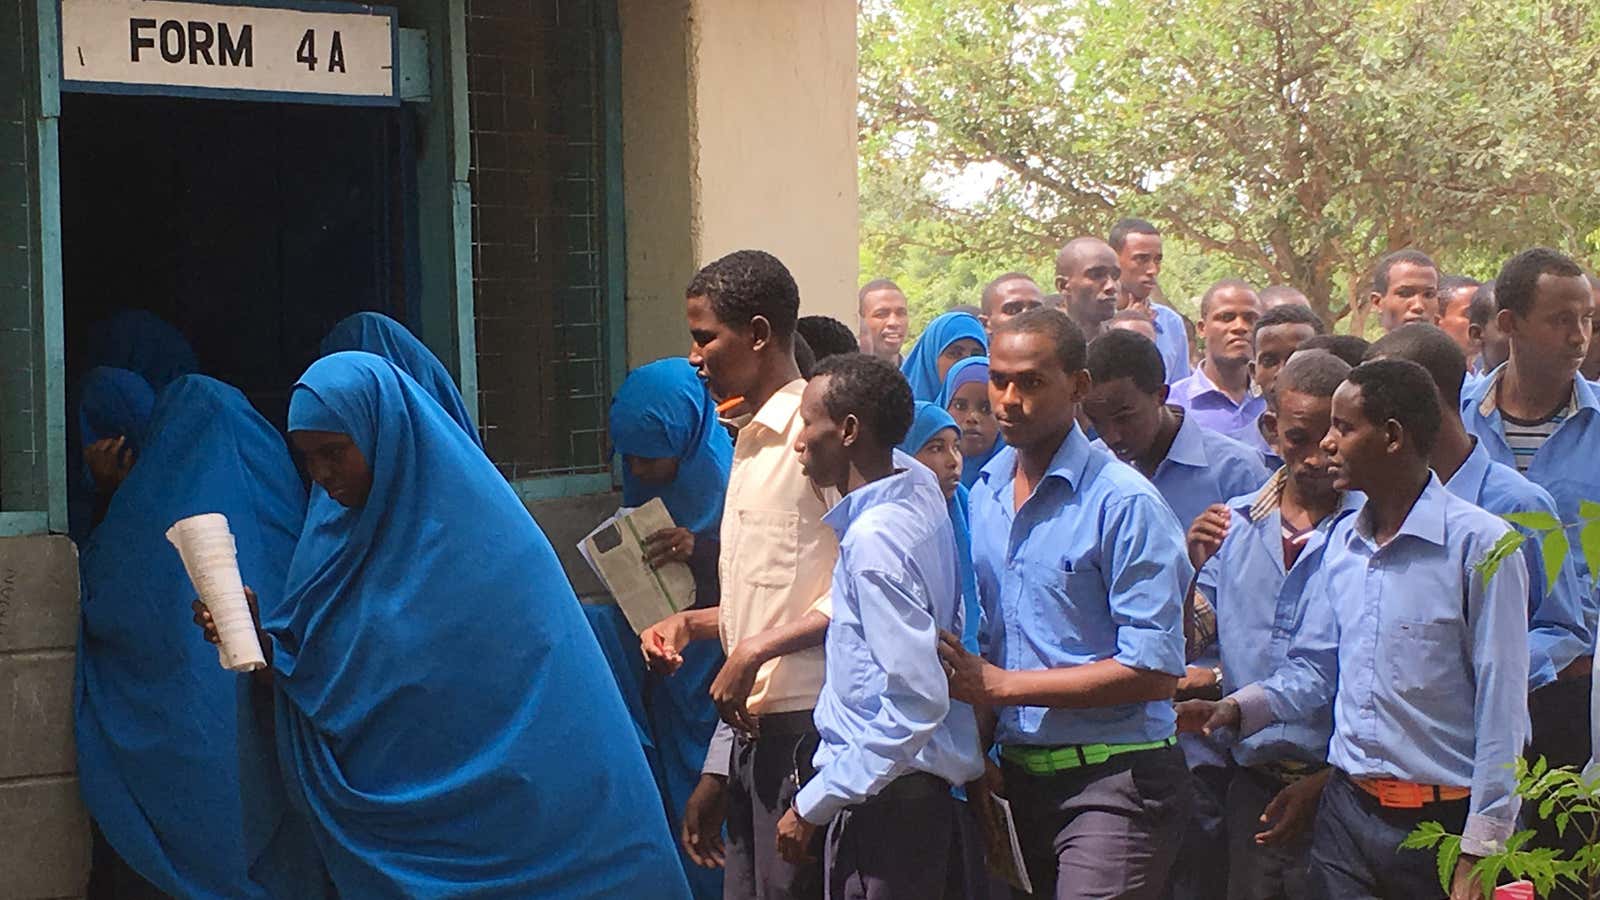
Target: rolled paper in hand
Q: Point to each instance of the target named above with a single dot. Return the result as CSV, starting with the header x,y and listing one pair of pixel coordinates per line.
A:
x,y
211,558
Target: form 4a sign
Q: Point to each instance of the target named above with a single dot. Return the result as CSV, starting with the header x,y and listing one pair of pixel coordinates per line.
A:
x,y
302,52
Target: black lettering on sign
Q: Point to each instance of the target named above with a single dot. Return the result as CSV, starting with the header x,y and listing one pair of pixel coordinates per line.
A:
x,y
137,41
200,38
231,53
172,41
307,51
336,55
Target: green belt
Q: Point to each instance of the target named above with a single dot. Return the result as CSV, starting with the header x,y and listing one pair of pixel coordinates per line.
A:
x,y
1050,760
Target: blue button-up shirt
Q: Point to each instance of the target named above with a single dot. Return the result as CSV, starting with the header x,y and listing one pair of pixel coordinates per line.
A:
x,y
1565,466
1090,567
1261,608
885,708
1557,629
1172,339
1203,467
1216,410
1425,663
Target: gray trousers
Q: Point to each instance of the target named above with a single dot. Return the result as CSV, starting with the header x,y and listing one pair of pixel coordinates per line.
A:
x,y
764,777
1104,831
1256,872
900,845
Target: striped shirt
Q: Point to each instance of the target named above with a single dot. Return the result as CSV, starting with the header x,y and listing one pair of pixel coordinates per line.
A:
x,y
1526,436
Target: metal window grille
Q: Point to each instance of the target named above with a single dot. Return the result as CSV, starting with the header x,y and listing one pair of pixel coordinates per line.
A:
x,y
535,88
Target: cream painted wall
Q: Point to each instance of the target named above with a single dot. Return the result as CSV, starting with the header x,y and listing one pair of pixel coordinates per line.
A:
x,y
739,130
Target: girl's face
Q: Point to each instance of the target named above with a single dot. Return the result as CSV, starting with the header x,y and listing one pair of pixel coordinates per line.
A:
x,y
652,471
957,351
970,408
334,461
942,454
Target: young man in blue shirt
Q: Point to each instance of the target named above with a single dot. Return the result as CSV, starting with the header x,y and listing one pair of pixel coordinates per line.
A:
x,y
1257,553
1220,393
1138,247
1423,660
1080,568
893,744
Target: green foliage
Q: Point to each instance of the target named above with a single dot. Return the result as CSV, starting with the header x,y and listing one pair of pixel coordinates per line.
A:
x,y
1280,142
1563,796
1554,541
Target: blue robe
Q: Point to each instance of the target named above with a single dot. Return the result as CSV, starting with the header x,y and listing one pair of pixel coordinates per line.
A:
x,y
958,375
445,715
929,420
157,718
377,333
921,368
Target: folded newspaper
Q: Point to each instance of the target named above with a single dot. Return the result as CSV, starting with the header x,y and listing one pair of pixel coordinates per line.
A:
x,y
615,551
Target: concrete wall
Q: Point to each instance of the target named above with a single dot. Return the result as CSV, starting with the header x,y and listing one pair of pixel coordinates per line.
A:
x,y
739,130
44,850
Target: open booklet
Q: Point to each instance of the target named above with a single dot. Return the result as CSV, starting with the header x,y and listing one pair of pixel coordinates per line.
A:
x,y
1003,850
615,551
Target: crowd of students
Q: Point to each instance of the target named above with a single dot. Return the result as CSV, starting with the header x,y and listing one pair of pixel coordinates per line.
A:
x,y
1209,624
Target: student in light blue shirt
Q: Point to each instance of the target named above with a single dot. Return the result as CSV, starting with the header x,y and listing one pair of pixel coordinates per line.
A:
x,y
893,744
1138,246
1080,567
1220,394
1278,334
1267,545
1423,659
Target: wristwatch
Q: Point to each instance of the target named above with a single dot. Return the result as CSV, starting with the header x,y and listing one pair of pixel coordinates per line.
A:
x,y
1216,675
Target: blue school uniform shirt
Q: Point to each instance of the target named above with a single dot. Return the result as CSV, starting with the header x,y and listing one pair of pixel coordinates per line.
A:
x,y
1424,662
1203,467
1557,631
1261,607
1091,567
1172,339
1216,410
885,708
1565,465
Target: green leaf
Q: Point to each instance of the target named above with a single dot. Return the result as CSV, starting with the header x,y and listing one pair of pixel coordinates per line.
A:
x,y
1588,509
1554,547
1589,543
1425,835
1534,520
1507,544
1449,854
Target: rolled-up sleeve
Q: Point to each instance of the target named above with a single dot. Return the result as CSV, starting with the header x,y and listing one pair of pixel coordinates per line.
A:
x,y
1497,621
1147,570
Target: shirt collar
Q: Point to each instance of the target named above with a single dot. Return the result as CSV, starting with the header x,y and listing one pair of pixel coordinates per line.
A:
x,y
1472,472
1189,444
1069,463
1424,521
781,408
853,504
1270,497
1206,385
1582,394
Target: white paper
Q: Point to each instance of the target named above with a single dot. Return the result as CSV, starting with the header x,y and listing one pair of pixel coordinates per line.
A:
x,y
206,546
646,595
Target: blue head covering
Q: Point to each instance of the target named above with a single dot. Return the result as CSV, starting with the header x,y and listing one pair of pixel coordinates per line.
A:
x,y
377,333
921,368
447,715
113,403
930,419
967,371
158,734
663,410
141,342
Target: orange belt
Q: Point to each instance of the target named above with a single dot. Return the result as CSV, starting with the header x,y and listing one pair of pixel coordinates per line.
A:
x,y
1392,794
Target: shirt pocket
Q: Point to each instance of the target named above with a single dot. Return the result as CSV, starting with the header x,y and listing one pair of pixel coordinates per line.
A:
x,y
769,548
1065,609
1419,654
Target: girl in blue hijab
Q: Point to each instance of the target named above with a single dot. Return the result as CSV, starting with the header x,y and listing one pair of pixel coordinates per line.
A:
x,y
947,339
379,334
142,342
966,398
664,424
445,714
114,407
157,718
935,441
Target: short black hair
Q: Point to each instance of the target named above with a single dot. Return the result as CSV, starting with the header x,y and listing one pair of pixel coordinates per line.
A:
x,y
1347,347
1518,281
1226,284
827,336
1291,314
749,283
1071,349
805,359
1124,227
1127,354
872,390
1401,390
1315,373
987,294
1429,347
1380,272
877,284
1483,306
1449,284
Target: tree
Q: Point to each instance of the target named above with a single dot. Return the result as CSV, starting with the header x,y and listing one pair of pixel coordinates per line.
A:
x,y
1298,140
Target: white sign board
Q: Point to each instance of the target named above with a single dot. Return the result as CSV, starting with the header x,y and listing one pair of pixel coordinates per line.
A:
x,y
301,52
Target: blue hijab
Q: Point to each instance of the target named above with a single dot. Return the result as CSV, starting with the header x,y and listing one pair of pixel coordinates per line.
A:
x,y
663,410
930,419
159,754
921,368
377,333
967,371
113,403
447,716
142,342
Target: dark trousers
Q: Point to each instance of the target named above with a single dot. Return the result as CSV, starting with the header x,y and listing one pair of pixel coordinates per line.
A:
x,y
899,845
110,877
1257,872
764,776
1355,848
1201,870
1559,714
1103,831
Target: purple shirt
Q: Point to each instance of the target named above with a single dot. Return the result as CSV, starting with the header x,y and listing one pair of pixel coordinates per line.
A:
x,y
1213,409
